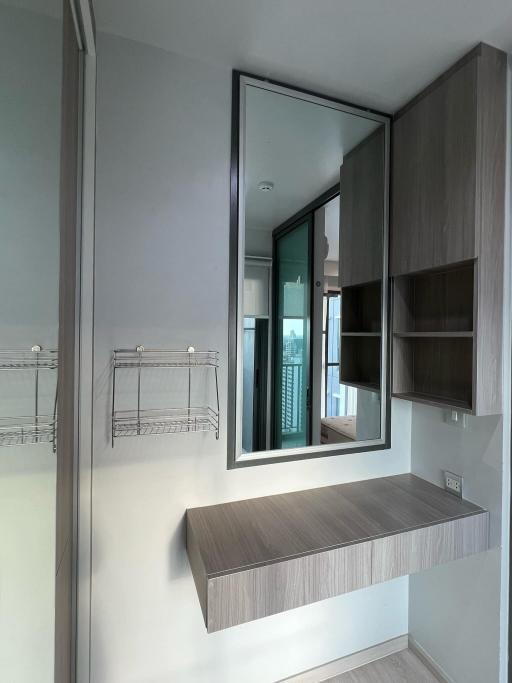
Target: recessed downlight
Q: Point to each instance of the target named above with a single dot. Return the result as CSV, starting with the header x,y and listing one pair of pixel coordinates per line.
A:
x,y
266,186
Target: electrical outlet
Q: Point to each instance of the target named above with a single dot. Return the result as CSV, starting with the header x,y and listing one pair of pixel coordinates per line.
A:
x,y
453,483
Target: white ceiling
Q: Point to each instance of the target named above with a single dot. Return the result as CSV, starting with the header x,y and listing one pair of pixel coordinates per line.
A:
x,y
378,53
297,145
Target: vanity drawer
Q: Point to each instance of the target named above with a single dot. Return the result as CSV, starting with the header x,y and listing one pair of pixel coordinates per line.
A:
x,y
246,595
420,549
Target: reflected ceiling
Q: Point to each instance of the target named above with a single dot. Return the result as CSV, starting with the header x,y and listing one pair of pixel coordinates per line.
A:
x,y
299,147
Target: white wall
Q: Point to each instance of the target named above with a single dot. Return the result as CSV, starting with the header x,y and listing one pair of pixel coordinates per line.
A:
x,y
162,221
258,242
459,612
455,609
30,81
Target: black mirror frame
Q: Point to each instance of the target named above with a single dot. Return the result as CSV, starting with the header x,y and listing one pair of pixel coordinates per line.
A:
x,y
308,452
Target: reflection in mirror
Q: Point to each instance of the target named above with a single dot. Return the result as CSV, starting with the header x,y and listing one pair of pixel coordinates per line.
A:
x,y
30,114
311,268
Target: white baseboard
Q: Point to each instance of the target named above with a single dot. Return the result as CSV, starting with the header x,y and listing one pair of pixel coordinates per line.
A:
x,y
341,666
430,663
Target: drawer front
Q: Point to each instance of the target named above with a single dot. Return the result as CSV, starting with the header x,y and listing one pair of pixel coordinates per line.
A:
x,y
424,548
247,595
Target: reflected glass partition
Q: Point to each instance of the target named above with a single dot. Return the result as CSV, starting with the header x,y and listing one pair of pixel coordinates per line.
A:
x,y
309,351
291,371
30,122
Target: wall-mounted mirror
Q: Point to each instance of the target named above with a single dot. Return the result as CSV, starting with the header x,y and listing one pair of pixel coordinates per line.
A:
x,y
308,359
31,61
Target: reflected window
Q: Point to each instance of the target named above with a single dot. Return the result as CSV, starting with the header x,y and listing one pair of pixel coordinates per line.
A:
x,y
339,399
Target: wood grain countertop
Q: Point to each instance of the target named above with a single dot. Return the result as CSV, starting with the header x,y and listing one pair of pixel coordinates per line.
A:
x,y
246,534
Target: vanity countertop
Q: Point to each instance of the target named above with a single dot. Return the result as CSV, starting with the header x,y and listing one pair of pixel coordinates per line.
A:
x,y
246,534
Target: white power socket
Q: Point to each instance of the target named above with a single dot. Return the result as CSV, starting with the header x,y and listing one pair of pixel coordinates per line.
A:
x,y
453,483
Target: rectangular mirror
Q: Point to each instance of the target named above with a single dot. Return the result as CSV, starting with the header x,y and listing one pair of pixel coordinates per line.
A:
x,y
308,355
31,58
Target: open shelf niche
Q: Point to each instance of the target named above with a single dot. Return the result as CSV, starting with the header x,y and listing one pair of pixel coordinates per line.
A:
x,y
433,315
361,325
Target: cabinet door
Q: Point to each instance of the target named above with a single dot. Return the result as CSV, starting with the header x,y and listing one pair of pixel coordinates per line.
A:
x,y
434,176
362,212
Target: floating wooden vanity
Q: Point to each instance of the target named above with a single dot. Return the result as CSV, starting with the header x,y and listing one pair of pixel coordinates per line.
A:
x,y
257,557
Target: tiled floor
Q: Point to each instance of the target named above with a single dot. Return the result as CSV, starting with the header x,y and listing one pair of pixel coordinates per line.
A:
x,y
403,667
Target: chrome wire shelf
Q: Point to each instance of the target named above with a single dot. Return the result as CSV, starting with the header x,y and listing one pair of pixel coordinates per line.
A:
x,y
153,358
35,359
18,431
15,431
172,421
145,422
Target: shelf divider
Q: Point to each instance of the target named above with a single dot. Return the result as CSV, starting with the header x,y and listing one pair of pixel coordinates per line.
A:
x,y
434,335
433,400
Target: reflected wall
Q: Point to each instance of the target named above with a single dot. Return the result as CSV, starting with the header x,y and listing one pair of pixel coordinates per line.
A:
x,y
30,96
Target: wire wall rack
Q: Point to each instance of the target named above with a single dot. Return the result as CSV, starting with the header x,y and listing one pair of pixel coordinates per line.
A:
x,y
34,429
144,422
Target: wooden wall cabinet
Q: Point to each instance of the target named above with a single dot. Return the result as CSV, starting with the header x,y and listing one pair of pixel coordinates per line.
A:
x,y
361,262
447,234
362,211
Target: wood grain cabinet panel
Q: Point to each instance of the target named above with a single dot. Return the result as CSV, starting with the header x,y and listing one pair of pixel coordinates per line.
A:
x,y
434,176
362,179
415,551
247,595
362,212
447,237
254,558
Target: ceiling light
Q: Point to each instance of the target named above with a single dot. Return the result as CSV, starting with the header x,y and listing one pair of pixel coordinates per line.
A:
x,y
266,186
